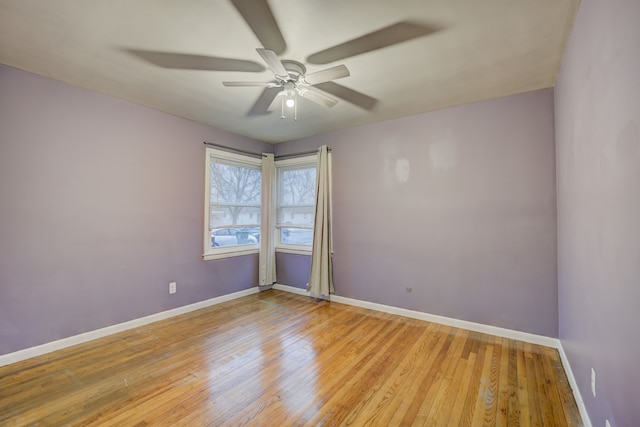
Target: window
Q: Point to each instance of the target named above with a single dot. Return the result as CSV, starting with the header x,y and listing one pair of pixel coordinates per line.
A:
x,y
296,201
232,204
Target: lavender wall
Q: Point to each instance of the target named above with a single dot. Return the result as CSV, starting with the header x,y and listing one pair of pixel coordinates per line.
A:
x,y
293,269
598,166
458,204
101,207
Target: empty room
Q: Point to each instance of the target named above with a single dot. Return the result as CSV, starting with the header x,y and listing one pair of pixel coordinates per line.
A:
x,y
279,212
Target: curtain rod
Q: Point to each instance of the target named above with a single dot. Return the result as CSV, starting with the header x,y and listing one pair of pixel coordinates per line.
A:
x,y
292,155
235,150
250,153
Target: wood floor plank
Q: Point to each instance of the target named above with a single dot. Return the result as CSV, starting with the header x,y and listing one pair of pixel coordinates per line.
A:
x,y
544,395
337,401
375,398
503,386
572,413
483,402
513,403
440,404
385,403
522,385
276,358
532,386
473,386
456,413
407,408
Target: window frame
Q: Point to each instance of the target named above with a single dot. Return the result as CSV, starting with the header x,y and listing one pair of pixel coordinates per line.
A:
x,y
288,247
210,253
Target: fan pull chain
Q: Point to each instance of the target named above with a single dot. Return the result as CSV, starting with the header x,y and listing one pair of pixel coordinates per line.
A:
x,y
282,105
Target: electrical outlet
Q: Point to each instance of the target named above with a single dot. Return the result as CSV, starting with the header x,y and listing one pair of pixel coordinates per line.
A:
x,y
593,382
172,287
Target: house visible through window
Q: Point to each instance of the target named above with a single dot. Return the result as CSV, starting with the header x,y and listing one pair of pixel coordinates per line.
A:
x,y
232,204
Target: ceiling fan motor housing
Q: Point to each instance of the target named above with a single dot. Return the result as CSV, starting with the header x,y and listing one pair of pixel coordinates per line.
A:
x,y
294,68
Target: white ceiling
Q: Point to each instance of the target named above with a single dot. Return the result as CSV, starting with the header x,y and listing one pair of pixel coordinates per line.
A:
x,y
473,50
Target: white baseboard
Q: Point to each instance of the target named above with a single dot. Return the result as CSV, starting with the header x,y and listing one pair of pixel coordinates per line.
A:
x,y
574,387
294,290
456,323
49,347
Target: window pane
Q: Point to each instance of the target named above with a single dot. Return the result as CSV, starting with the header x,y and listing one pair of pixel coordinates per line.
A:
x,y
234,204
296,215
296,236
298,186
296,203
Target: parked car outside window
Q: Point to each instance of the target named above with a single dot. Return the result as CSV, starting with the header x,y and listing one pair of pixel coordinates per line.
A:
x,y
253,231
231,237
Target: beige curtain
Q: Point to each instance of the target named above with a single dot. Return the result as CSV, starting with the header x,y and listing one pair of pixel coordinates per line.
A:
x,y
321,276
267,258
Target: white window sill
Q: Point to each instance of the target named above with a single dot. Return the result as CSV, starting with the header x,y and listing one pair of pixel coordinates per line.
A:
x,y
294,250
230,253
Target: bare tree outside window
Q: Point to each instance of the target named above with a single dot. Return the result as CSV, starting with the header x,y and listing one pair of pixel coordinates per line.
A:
x,y
299,186
234,202
234,190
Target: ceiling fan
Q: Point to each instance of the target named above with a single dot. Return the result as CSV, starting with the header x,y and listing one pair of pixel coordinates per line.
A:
x,y
291,80
290,75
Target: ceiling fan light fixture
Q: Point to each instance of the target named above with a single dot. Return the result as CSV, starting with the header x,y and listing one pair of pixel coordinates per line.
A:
x,y
290,93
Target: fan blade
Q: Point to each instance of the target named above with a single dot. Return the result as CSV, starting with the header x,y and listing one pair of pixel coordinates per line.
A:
x,y
273,62
318,97
182,61
257,14
393,34
276,103
354,97
250,84
337,72
263,103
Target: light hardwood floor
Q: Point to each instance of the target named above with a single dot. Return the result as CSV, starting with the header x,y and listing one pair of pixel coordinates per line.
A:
x,y
279,359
